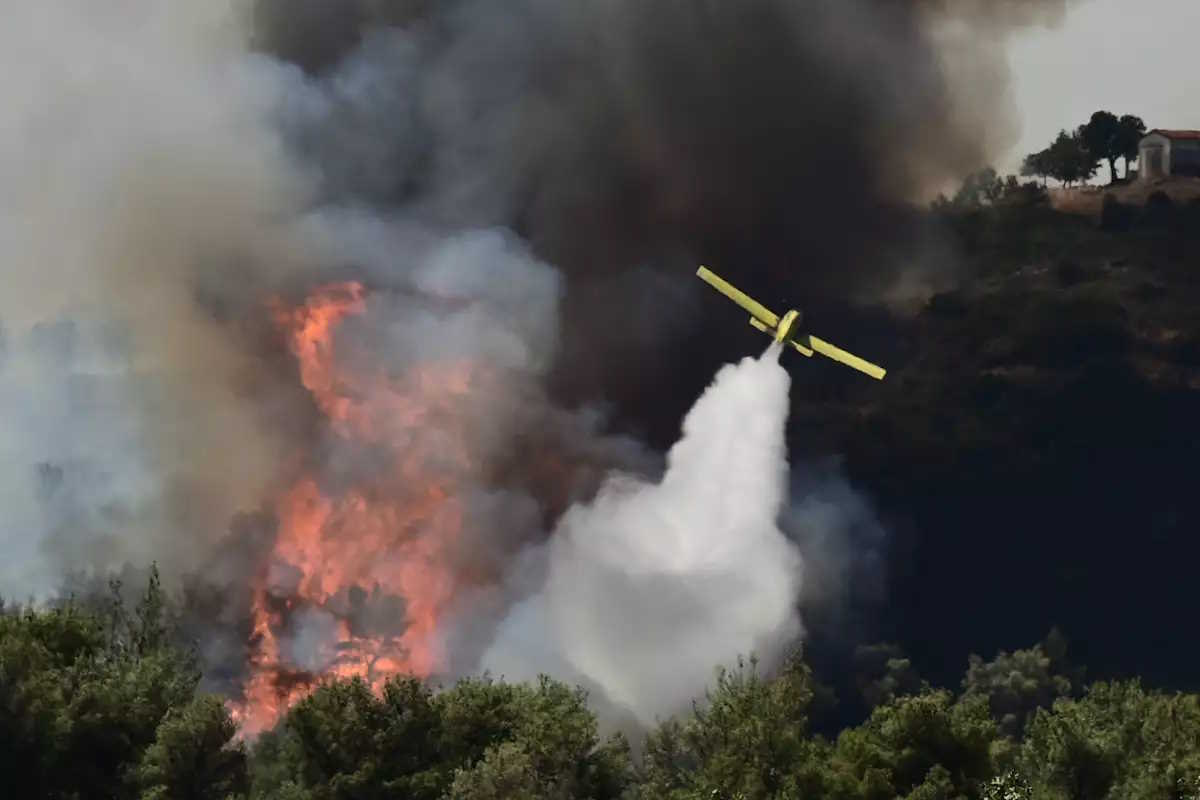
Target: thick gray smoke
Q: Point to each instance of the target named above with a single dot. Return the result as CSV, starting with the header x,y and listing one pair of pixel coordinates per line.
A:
x,y
650,585
138,165
516,185
777,139
611,132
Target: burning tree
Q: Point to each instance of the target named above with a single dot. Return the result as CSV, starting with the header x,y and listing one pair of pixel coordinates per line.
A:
x,y
360,573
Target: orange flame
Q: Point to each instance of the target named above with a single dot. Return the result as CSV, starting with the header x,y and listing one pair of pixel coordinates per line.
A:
x,y
387,536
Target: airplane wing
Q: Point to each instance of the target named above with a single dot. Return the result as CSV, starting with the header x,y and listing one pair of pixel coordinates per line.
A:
x,y
849,359
756,310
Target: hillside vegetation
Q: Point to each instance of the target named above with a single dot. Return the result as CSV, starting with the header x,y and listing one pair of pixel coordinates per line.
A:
x,y
103,705
1034,447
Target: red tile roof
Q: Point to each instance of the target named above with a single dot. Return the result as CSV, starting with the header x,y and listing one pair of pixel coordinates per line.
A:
x,y
1176,134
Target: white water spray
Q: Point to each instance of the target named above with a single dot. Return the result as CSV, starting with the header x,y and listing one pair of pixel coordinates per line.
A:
x,y
652,585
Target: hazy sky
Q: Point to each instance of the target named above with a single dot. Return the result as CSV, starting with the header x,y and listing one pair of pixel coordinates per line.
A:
x,y
1125,56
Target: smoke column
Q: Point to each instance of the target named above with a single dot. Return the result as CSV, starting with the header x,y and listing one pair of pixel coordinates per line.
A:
x,y
650,585
144,203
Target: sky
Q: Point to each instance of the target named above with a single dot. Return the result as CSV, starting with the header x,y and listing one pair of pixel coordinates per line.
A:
x,y
1124,56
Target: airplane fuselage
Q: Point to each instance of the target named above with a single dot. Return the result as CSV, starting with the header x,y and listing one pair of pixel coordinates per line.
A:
x,y
790,320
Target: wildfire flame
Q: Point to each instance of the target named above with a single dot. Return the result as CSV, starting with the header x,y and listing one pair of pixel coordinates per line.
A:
x,y
381,543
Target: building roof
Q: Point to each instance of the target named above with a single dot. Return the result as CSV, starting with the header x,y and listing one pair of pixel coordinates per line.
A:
x,y
1175,134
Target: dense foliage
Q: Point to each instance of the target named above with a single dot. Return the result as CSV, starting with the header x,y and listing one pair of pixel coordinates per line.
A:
x,y
1075,156
102,705
479,738
1032,450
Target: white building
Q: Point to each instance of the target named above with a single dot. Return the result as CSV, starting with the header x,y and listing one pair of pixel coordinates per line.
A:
x,y
1163,153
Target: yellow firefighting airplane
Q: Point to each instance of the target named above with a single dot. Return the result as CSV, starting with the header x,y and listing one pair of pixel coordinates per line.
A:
x,y
785,330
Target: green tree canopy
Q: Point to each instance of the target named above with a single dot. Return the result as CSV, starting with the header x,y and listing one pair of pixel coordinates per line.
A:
x,y
978,188
1101,137
1109,137
919,746
746,740
101,705
883,674
1118,741
1068,159
194,755
1130,130
342,741
85,701
1037,165
1016,684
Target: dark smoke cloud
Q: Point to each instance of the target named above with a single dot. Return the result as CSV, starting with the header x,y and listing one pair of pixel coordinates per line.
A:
x,y
779,140
614,132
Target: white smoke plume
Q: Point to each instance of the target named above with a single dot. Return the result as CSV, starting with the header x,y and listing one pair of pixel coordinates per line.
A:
x,y
139,171
651,584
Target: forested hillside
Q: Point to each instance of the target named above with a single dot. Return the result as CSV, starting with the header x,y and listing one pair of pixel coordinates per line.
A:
x,y
1035,446
102,703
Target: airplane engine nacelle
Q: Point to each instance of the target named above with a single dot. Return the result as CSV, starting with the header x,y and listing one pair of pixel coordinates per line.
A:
x,y
781,332
790,320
